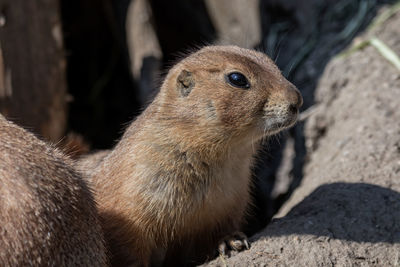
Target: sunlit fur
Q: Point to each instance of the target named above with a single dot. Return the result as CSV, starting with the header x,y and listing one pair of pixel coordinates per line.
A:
x,y
179,179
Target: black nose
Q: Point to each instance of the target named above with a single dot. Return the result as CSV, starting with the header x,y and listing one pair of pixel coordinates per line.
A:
x,y
293,108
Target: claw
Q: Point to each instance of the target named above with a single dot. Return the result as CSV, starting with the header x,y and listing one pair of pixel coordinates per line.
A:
x,y
236,242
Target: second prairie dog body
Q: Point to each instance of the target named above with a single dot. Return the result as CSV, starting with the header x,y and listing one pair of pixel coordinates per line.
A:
x,y
48,215
178,182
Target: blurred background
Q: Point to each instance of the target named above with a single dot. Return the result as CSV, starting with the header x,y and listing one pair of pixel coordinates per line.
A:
x,y
75,72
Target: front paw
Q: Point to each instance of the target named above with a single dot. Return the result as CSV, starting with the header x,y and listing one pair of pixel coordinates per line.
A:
x,y
234,242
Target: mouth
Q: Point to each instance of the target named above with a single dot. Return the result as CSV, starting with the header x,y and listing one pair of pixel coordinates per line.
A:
x,y
279,121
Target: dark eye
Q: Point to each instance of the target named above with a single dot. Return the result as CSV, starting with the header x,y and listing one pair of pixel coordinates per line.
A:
x,y
238,80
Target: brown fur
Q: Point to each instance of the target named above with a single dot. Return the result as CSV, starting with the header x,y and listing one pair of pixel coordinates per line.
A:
x,y
179,179
74,145
87,163
47,214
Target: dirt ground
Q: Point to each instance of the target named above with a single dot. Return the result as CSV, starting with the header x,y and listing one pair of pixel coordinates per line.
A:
x,y
346,212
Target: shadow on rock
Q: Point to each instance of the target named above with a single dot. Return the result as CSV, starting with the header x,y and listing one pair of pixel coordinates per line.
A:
x,y
356,212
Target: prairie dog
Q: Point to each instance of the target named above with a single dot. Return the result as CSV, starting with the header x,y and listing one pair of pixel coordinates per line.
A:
x,y
47,213
178,181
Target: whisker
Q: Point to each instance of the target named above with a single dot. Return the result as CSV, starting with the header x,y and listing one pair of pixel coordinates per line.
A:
x,y
279,47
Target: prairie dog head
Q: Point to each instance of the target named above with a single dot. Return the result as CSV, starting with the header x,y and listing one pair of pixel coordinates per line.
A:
x,y
226,92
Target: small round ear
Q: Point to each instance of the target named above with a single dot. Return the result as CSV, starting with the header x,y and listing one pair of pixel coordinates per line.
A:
x,y
185,82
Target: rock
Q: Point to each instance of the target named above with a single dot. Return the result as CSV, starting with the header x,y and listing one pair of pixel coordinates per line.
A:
x,y
236,23
346,212
144,50
33,87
